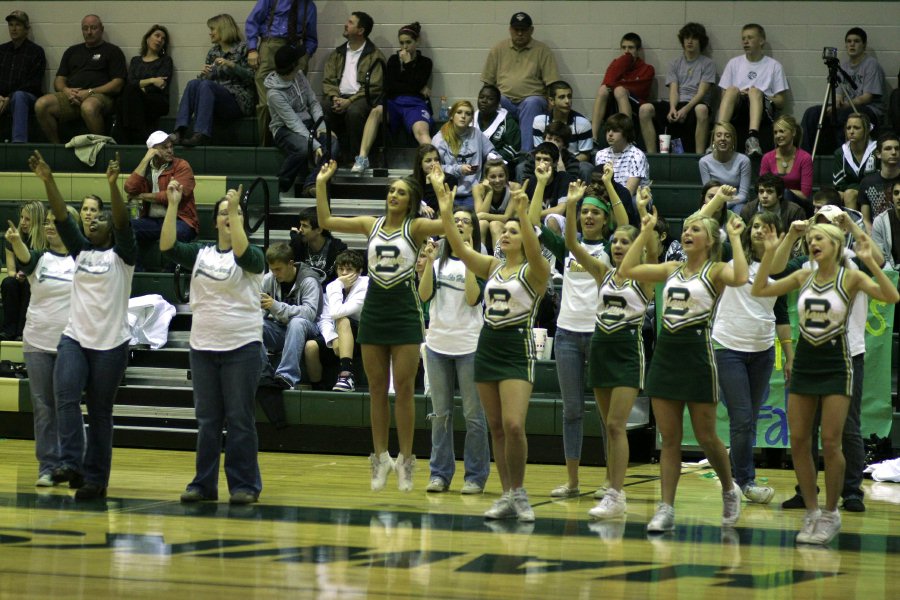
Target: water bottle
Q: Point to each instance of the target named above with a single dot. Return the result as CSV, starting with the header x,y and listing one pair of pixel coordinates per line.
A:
x,y
444,113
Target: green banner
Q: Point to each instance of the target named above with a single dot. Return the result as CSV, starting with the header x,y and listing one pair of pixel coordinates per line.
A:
x,y
877,410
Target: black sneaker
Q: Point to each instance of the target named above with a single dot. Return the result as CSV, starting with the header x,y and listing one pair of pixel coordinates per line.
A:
x,y
62,475
90,491
795,501
854,505
282,383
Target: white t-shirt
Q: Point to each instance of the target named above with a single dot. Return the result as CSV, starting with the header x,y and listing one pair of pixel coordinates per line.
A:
x,y
337,305
745,322
48,310
224,302
349,78
578,304
766,75
453,325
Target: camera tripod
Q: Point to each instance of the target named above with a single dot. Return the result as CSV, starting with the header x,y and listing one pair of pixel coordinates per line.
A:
x,y
837,78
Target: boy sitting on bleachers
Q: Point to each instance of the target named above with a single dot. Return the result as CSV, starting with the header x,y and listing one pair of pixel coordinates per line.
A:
x,y
339,322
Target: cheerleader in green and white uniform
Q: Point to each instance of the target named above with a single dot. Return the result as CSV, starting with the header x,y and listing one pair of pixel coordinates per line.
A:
x,y
683,370
823,368
390,326
504,357
616,364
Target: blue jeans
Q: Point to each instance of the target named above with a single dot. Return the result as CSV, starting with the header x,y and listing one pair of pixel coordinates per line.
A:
x,y
525,111
46,434
225,390
290,340
744,381
147,229
573,351
21,105
442,370
98,374
206,100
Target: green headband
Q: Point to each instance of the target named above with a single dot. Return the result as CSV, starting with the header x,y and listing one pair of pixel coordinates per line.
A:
x,y
596,202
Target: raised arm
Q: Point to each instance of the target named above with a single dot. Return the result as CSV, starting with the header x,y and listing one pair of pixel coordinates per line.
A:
x,y
761,285
426,281
620,215
168,233
361,225
538,271
117,203
736,274
239,241
40,168
631,266
595,267
19,249
478,263
723,197
881,288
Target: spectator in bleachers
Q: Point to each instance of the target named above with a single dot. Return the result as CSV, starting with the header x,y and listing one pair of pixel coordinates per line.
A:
x,y
789,162
886,229
347,72
630,165
315,246
147,184
223,89
226,344
855,159
558,134
752,84
295,109
339,323
690,80
406,95
828,196
271,25
145,97
463,150
559,98
770,197
426,157
596,218
22,64
874,190
89,78
521,68
291,300
726,165
628,80
15,289
93,350
91,207
498,125
50,271
454,298
492,203
551,184
868,76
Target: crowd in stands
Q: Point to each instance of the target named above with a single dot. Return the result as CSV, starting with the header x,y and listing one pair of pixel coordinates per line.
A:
x,y
512,191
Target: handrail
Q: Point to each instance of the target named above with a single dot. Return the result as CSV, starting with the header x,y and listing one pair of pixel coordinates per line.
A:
x,y
183,295
263,219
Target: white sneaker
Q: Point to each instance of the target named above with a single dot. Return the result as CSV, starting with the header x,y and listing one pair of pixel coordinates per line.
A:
x,y
827,526
519,501
470,488
612,506
809,527
381,466
501,509
45,480
405,466
663,520
759,494
360,164
436,485
731,505
564,491
601,491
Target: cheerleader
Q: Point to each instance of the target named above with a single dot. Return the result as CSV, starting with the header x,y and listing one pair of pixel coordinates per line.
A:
x,y
504,358
823,372
683,370
390,326
616,359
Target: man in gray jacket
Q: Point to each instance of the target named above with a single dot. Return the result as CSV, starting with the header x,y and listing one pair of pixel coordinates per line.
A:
x,y
294,110
292,300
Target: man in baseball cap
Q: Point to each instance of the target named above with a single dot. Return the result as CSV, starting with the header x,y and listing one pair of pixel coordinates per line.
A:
x,y
22,64
521,68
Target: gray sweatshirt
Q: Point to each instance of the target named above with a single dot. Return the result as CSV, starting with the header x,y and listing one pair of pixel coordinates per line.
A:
x,y
292,104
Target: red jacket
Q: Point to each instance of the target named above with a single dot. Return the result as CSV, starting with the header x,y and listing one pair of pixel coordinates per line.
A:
x,y
631,73
181,171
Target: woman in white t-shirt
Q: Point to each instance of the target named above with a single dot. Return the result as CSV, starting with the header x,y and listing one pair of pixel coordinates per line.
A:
x,y
49,272
455,323
93,349
226,339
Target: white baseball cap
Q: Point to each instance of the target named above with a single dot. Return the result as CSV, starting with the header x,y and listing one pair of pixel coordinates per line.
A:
x,y
156,138
829,211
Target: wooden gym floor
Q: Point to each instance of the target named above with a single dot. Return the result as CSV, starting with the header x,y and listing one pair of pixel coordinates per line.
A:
x,y
320,533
